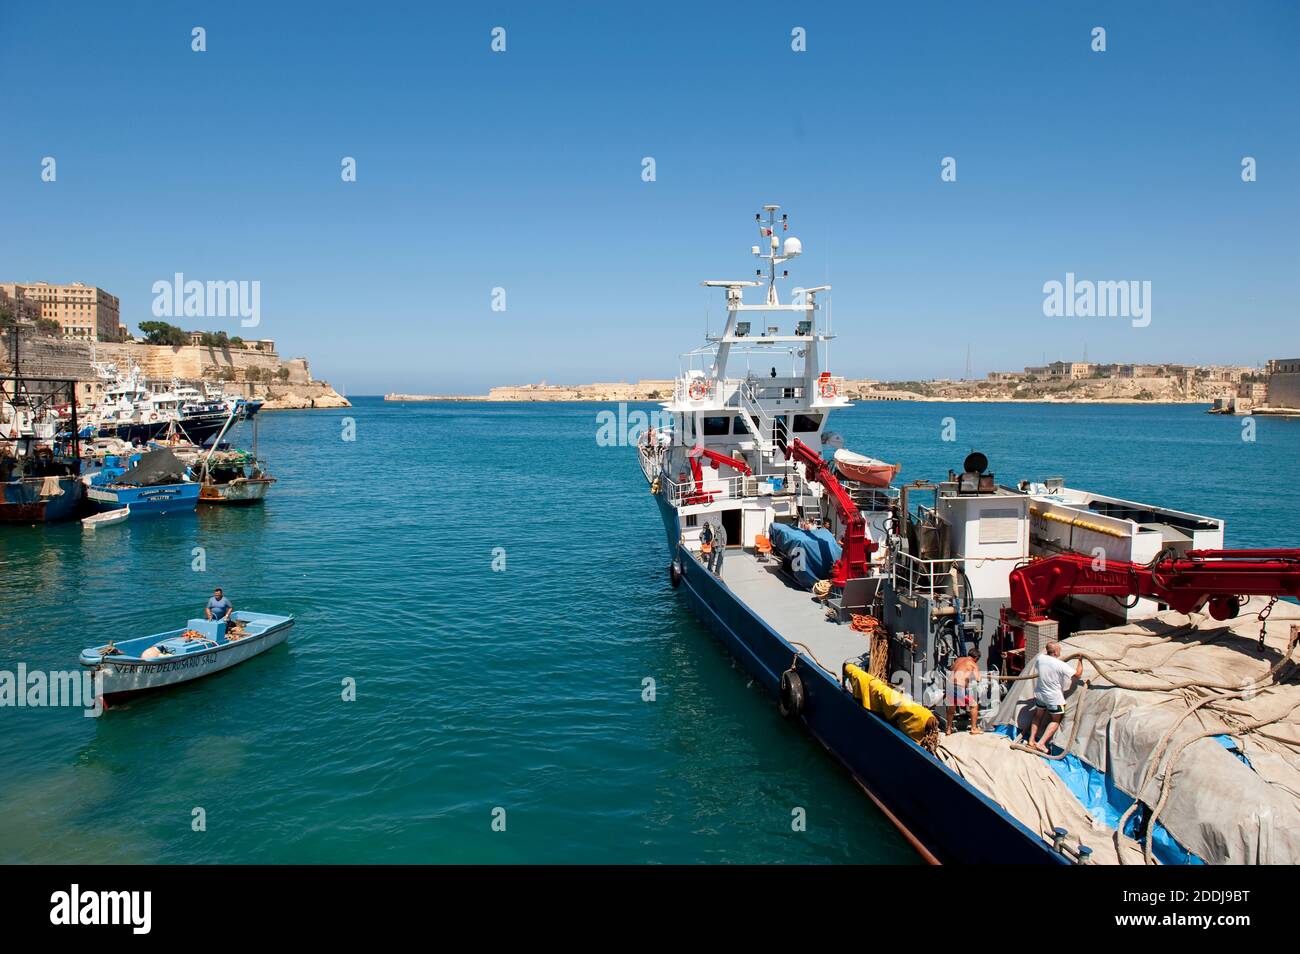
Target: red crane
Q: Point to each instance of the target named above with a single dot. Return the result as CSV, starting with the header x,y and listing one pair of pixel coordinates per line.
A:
x,y
1217,577
697,472
855,549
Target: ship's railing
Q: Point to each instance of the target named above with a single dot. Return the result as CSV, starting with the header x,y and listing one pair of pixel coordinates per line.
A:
x,y
683,493
758,389
923,577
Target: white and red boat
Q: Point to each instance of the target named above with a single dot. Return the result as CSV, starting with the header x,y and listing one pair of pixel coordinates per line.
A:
x,y
865,470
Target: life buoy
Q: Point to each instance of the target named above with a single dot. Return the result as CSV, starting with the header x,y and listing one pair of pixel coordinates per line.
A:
x,y
791,697
699,387
153,416
827,389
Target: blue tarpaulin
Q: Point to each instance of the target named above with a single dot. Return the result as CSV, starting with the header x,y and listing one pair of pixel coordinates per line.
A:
x,y
819,549
1106,803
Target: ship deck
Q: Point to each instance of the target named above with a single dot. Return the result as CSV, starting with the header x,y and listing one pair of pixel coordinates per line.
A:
x,y
791,610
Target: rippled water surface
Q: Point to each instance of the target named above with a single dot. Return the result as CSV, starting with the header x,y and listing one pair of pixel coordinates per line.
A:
x,y
518,688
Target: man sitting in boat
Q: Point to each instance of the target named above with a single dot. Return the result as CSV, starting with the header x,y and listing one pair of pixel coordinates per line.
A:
x,y
1054,679
965,673
218,607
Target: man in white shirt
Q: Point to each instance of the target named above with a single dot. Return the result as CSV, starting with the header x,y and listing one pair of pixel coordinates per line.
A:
x,y
1054,680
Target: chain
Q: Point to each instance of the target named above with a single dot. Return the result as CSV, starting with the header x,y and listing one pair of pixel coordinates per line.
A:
x,y
1263,621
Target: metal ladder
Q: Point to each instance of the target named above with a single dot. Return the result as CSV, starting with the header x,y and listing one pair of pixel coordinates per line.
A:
x,y
758,421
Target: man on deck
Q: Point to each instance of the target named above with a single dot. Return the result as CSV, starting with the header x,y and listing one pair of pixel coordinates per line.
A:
x,y
1054,679
719,549
218,607
965,673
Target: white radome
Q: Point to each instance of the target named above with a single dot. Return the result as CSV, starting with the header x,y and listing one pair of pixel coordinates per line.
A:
x,y
793,247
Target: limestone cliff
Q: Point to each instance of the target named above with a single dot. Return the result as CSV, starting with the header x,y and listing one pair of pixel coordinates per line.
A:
x,y
282,383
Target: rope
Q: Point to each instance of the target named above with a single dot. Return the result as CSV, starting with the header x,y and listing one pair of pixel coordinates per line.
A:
x,y
1154,760
813,657
1167,782
1074,731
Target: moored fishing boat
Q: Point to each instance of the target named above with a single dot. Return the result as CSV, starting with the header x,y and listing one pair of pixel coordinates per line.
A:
x,y
201,648
155,484
231,476
40,472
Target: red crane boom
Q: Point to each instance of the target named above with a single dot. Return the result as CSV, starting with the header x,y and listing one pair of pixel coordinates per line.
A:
x,y
855,548
697,472
1217,577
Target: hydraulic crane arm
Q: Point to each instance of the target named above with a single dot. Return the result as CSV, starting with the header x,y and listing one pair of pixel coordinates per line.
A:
x,y
697,472
733,462
1217,577
856,548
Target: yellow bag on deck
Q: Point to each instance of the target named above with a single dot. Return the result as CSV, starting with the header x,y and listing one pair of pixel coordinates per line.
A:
x,y
890,704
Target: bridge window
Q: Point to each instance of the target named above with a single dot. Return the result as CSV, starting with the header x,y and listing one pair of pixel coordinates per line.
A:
x,y
807,423
716,426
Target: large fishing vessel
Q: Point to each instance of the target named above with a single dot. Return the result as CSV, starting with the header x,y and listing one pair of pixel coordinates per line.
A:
x,y
40,473
132,411
854,603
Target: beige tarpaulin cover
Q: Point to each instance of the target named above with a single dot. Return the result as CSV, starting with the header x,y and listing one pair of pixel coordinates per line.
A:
x,y
1026,786
1218,807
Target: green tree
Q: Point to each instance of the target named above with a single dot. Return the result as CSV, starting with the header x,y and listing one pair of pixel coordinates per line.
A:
x,y
162,333
48,327
282,374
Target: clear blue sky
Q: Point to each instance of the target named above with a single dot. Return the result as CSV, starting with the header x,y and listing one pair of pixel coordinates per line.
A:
x,y
522,170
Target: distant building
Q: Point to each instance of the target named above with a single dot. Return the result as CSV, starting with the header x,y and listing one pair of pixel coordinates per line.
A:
x,y
1257,391
1005,377
18,306
1138,371
84,313
1284,382
1069,370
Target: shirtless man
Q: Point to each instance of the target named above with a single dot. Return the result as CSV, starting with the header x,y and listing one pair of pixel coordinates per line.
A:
x,y
965,672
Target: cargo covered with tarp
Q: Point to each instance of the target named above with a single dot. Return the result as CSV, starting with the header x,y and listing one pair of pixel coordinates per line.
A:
x,y
1182,727
154,469
811,552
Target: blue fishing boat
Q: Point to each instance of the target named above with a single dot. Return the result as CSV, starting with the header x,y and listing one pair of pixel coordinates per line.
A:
x,y
200,648
154,483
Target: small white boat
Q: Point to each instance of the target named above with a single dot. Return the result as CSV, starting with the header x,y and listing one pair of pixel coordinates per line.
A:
x,y
203,647
865,470
105,519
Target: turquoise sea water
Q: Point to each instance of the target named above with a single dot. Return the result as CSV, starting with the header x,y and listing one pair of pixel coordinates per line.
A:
x,y
478,688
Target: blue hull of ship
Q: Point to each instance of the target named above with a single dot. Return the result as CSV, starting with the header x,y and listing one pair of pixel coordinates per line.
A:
x,y
21,502
949,818
144,501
